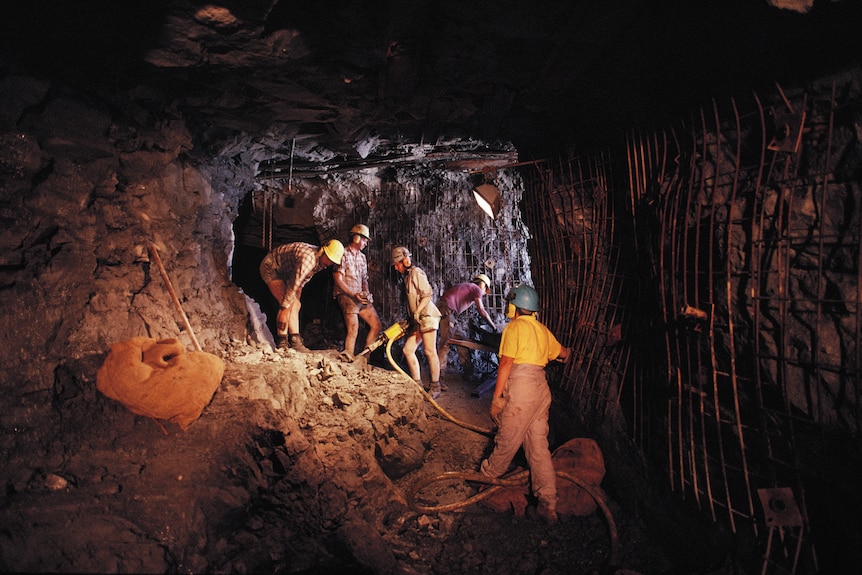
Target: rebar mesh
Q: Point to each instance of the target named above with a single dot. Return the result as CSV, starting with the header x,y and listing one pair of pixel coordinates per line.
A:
x,y
712,293
433,214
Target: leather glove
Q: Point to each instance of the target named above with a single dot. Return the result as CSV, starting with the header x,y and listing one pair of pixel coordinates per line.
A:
x,y
369,297
362,297
497,405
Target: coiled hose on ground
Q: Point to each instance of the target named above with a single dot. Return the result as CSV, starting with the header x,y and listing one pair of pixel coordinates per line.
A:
x,y
518,479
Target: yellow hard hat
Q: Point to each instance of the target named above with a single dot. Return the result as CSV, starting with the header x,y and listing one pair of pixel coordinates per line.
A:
x,y
484,279
362,230
334,250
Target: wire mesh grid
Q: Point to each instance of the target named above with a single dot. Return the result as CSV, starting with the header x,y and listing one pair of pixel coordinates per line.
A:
x,y
731,265
432,213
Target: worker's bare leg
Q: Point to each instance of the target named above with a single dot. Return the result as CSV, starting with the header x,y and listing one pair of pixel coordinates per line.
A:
x,y
369,315
351,321
411,343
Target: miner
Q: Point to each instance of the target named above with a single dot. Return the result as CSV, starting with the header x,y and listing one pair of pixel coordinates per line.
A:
x,y
286,269
424,315
522,398
351,291
455,301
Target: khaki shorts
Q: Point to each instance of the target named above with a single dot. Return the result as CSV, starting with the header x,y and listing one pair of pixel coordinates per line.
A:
x,y
349,305
428,323
267,269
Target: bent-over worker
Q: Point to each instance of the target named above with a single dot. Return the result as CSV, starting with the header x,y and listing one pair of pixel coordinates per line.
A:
x,y
455,301
286,269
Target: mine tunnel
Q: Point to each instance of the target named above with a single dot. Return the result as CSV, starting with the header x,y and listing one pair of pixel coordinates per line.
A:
x,y
673,190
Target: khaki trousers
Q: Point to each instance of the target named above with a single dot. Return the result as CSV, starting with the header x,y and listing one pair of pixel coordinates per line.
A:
x,y
524,422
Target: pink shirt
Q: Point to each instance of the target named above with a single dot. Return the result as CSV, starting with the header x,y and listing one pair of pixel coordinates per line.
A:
x,y
460,296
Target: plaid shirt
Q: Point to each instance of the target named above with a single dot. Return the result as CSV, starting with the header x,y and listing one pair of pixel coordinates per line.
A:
x,y
354,271
295,264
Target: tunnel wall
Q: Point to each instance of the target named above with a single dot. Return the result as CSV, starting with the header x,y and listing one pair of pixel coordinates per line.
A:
x,y
428,209
707,276
89,183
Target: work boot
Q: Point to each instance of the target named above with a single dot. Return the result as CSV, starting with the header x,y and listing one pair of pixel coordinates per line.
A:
x,y
434,389
282,342
549,514
296,343
443,386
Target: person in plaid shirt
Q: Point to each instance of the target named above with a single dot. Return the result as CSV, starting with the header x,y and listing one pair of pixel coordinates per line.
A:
x,y
286,269
351,291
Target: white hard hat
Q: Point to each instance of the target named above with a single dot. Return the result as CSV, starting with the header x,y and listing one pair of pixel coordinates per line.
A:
x,y
399,253
362,230
484,279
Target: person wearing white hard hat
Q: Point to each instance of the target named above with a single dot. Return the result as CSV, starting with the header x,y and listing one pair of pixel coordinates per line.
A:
x,y
424,315
351,291
455,301
286,269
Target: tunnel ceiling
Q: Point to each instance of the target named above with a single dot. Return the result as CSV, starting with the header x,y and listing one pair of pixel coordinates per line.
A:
x,y
357,77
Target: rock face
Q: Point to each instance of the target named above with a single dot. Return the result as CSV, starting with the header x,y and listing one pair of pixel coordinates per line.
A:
x,y
84,192
87,184
283,455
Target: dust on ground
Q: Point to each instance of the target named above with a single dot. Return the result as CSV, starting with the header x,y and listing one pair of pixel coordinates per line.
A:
x,y
300,464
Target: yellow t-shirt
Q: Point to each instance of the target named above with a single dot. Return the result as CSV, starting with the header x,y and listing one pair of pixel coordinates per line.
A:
x,y
527,341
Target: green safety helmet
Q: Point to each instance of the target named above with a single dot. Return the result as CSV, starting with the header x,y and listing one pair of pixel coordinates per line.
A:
x,y
524,297
362,230
334,250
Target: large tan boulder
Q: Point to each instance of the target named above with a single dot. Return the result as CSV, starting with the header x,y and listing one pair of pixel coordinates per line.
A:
x,y
580,457
158,379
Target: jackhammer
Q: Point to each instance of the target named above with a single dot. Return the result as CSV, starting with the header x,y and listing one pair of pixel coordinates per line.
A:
x,y
391,333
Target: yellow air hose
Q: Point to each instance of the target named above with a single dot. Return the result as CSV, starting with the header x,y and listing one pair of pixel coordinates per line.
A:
x,y
520,478
430,399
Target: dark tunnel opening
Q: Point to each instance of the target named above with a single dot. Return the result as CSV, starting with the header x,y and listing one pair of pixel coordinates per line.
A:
x,y
320,319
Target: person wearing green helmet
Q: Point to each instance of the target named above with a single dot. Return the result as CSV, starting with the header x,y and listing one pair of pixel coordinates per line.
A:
x,y
286,269
351,291
522,398
455,301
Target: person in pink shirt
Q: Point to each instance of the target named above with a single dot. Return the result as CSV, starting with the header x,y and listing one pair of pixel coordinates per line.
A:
x,y
455,301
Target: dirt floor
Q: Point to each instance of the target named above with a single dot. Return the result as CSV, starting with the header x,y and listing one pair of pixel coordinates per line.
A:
x,y
300,464
477,539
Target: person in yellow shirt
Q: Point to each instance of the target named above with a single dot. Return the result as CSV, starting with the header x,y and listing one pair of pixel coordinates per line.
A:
x,y
522,398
